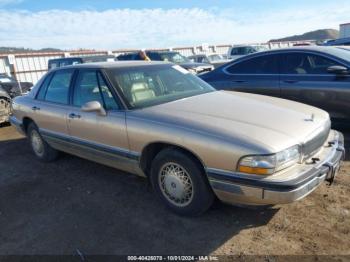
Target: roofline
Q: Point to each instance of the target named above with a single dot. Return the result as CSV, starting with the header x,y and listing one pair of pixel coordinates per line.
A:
x,y
115,64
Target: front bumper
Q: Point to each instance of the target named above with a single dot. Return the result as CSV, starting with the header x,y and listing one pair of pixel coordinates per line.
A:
x,y
243,189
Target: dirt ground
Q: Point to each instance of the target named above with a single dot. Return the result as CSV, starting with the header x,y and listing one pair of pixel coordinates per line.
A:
x,y
76,206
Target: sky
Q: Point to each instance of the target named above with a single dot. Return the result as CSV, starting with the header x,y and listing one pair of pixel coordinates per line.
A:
x,y
110,25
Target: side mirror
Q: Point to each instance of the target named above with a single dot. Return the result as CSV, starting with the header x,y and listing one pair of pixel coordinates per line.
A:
x,y
94,106
338,70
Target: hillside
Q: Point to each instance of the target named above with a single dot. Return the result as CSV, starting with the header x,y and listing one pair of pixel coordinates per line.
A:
x,y
318,35
8,50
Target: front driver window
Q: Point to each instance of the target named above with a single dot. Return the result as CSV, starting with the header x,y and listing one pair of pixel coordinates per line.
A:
x,y
319,64
301,64
90,86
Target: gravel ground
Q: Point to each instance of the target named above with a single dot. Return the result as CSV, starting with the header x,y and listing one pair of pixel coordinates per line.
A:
x,y
73,205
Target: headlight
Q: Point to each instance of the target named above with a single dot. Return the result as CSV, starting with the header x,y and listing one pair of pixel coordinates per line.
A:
x,y
269,164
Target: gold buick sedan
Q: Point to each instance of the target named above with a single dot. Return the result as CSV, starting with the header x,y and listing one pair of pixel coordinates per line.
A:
x,y
193,143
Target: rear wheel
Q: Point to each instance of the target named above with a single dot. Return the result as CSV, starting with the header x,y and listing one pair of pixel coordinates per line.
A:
x,y
39,146
179,181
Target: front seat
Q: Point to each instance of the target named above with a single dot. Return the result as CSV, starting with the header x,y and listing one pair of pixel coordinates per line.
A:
x,y
295,65
141,91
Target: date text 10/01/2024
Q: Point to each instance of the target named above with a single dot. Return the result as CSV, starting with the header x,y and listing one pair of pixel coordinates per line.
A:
x,y
172,258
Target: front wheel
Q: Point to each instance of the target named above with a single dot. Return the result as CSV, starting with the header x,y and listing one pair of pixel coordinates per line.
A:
x,y
180,183
39,146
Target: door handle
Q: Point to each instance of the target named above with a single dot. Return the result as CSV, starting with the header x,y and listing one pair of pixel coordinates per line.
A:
x,y
72,115
239,81
290,81
35,108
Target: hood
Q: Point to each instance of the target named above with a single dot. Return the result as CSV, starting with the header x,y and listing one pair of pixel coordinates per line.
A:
x,y
272,123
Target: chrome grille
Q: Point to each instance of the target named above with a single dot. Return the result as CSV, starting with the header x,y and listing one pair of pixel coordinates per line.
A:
x,y
314,144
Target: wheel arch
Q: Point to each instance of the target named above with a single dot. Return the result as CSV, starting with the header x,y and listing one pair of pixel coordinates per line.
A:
x,y
25,123
151,150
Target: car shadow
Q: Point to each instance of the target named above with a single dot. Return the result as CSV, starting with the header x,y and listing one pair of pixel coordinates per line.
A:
x,y
74,205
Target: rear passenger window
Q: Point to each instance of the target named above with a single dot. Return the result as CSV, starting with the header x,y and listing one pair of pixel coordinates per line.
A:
x,y
257,65
58,89
43,87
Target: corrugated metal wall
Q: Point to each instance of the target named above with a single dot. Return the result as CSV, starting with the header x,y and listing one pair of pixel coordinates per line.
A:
x,y
30,67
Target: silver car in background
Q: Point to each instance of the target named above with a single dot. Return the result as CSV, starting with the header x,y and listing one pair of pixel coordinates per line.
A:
x,y
214,59
194,143
238,51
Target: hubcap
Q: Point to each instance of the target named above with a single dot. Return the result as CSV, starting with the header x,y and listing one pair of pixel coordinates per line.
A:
x,y
176,184
37,143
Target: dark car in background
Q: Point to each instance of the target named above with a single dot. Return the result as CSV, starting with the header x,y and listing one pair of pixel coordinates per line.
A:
x,y
10,88
66,61
317,76
337,42
170,56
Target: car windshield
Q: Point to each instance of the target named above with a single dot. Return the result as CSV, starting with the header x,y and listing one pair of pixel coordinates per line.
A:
x,y
150,85
260,48
213,58
174,57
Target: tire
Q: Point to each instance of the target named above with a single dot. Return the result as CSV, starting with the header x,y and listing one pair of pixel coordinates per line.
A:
x,y
180,183
40,147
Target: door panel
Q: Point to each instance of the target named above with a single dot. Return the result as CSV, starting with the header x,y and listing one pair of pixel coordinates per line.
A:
x,y
305,79
101,138
329,93
265,85
109,131
50,107
51,117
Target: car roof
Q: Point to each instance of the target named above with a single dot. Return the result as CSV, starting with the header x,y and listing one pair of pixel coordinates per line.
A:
x,y
323,49
254,45
82,57
115,64
305,48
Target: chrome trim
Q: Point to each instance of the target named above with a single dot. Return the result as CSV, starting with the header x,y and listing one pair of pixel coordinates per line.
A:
x,y
100,147
111,156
